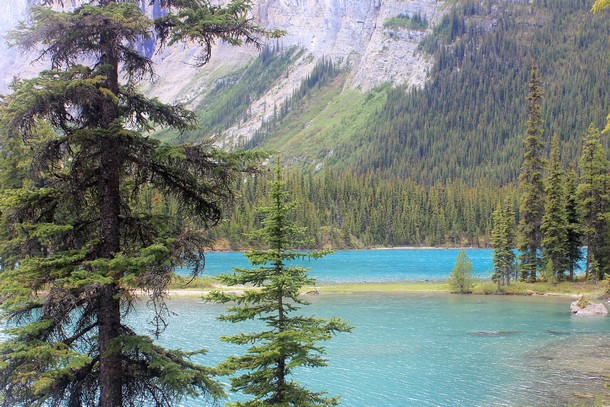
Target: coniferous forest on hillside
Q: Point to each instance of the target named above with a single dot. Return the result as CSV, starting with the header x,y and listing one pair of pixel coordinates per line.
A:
x,y
428,166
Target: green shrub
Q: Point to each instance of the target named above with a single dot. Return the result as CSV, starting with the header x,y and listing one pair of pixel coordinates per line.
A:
x,y
415,22
461,279
582,302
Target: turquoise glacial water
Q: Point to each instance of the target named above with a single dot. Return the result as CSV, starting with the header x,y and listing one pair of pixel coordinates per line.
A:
x,y
419,349
430,350
370,265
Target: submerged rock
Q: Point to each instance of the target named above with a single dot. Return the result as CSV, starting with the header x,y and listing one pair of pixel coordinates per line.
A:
x,y
494,333
592,309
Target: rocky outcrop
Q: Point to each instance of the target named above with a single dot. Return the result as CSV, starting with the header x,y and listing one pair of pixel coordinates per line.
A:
x,y
591,309
349,32
352,31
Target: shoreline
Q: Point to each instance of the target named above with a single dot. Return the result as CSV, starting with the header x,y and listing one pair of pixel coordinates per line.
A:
x,y
218,250
571,290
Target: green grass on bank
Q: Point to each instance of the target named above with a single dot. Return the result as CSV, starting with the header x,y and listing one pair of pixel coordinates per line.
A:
x,y
593,290
198,283
484,287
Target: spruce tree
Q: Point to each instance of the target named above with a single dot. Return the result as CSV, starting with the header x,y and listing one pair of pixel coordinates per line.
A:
x,y
594,200
77,242
503,241
290,340
461,278
573,227
554,221
531,210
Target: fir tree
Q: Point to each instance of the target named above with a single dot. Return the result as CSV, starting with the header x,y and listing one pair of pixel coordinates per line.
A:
x,y
594,200
554,221
497,244
75,228
291,340
532,188
503,241
573,228
461,278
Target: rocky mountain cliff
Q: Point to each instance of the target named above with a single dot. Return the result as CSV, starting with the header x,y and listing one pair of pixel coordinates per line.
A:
x,y
349,32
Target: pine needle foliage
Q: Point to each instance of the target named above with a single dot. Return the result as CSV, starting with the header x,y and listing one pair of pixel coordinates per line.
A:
x,y
462,279
531,210
573,227
594,201
290,340
555,221
503,243
76,241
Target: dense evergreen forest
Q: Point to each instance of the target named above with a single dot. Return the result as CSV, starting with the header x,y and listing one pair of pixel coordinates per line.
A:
x,y
468,121
428,166
343,210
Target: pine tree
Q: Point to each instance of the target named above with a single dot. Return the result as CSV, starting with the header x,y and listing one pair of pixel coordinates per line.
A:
x,y
594,200
502,241
554,222
461,278
75,228
573,228
291,339
532,188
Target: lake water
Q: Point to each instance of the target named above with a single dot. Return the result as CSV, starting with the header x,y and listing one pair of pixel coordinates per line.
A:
x,y
419,349
432,350
352,266
415,349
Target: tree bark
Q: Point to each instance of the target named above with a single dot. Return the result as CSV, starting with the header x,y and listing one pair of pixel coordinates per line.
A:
x,y
111,163
109,313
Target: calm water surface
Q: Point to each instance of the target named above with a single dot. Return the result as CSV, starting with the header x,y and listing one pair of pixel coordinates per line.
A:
x,y
370,265
432,350
417,349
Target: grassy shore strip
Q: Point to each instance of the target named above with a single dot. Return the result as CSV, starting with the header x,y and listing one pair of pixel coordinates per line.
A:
x,y
203,285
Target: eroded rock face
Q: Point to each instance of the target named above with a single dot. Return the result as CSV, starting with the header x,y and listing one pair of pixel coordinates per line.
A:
x,y
352,31
592,309
349,32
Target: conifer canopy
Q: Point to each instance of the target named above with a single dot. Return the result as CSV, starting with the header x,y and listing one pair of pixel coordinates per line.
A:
x,y
79,236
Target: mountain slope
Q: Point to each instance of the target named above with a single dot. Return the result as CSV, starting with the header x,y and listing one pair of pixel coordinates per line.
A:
x,y
403,119
468,120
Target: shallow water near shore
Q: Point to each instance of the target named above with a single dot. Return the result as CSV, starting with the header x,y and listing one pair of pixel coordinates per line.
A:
x,y
431,349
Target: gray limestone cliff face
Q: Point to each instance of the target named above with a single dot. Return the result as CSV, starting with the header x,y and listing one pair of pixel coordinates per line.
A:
x,y
350,32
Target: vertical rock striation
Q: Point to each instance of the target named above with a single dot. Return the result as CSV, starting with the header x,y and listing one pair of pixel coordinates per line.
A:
x,y
350,32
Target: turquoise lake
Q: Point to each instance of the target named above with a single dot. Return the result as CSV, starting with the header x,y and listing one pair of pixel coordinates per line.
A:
x,y
357,266
423,349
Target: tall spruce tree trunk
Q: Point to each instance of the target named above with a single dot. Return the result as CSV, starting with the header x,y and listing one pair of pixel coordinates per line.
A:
x,y
111,162
109,312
